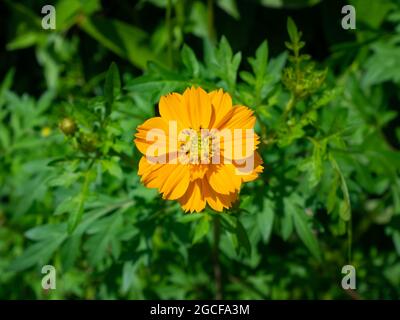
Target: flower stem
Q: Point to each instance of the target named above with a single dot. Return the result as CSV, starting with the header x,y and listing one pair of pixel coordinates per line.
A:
x,y
215,255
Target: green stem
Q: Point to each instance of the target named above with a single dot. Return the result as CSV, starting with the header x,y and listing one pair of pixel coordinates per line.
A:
x,y
216,263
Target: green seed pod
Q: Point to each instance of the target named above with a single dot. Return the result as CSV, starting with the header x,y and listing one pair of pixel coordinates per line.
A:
x,y
68,126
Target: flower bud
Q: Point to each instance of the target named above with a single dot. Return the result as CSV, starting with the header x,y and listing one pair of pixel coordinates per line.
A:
x,y
68,126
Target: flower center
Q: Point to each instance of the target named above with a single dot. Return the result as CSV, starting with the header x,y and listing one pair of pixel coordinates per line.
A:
x,y
197,147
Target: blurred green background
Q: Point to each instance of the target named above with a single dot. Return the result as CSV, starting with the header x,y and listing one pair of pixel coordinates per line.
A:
x,y
328,121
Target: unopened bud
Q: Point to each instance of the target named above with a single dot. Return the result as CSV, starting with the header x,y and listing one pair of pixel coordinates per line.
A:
x,y
68,126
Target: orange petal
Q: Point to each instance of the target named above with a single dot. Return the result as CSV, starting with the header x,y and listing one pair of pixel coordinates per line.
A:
x,y
239,117
198,107
156,134
177,183
197,171
221,104
172,180
239,144
193,200
216,200
172,108
156,125
223,178
153,176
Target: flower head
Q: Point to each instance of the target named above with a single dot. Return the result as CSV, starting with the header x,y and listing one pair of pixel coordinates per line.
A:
x,y
200,150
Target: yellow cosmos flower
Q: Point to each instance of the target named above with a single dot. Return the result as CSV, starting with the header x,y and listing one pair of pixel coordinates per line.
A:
x,y
200,150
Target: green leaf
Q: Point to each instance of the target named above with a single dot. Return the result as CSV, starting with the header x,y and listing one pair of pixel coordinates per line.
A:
x,y
229,6
68,11
291,4
201,229
128,273
305,233
190,61
301,225
112,168
226,64
228,222
292,30
374,13
69,204
286,225
260,62
70,251
242,237
23,41
262,82
46,231
6,85
160,80
112,86
104,238
40,252
396,240
123,39
65,179
313,165
265,219
189,217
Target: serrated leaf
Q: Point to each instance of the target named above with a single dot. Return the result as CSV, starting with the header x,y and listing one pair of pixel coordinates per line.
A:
x,y
190,61
226,64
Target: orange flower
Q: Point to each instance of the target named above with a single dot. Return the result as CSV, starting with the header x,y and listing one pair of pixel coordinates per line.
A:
x,y
200,150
